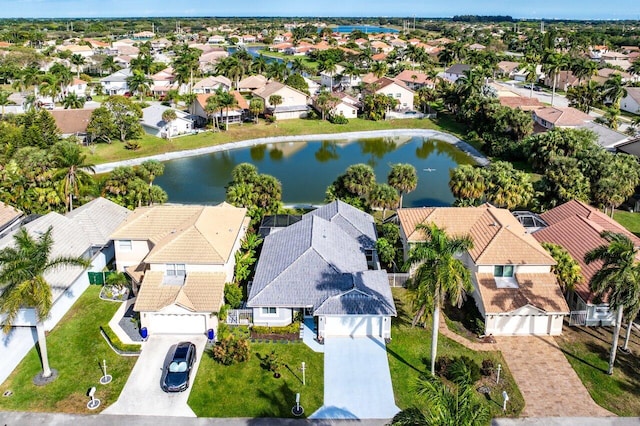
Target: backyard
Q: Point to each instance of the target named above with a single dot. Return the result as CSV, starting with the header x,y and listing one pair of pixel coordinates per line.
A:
x,y
150,145
409,354
587,349
76,350
248,389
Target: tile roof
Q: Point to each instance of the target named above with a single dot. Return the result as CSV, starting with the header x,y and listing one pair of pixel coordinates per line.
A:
x,y
98,219
186,233
152,115
201,292
407,76
577,227
563,117
538,290
8,214
370,295
498,237
354,222
213,82
253,82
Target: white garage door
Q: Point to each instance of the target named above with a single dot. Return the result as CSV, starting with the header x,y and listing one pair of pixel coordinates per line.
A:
x,y
177,324
351,325
523,324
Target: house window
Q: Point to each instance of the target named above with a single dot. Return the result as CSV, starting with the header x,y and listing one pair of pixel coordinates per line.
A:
x,y
504,271
125,245
269,311
176,269
398,95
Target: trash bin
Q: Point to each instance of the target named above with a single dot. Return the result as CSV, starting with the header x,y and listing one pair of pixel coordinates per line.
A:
x,y
210,334
144,333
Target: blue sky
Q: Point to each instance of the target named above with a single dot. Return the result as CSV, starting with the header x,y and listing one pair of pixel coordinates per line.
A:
x,y
552,9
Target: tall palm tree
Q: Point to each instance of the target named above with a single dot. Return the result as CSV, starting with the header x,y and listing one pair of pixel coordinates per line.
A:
x,y
383,197
78,61
256,106
259,64
168,116
379,69
139,82
614,89
22,270
330,67
226,100
403,178
552,65
618,279
109,64
72,167
440,274
467,184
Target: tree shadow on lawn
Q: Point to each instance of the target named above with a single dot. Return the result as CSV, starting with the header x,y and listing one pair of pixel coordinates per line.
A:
x,y
405,362
591,347
281,400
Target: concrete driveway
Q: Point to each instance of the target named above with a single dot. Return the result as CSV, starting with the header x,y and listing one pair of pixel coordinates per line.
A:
x,y
357,381
142,394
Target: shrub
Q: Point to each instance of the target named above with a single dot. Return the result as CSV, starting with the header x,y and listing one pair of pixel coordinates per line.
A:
x,y
442,365
287,329
463,370
222,315
487,367
233,295
116,342
231,351
270,118
133,145
338,119
312,115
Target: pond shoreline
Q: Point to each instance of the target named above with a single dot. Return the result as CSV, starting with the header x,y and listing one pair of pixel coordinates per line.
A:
x,y
463,146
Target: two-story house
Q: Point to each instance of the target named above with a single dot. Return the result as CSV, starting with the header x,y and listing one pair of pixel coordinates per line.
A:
x,y
514,288
294,103
116,83
179,258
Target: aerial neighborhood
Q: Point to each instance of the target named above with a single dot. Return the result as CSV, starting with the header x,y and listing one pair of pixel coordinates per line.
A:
x,y
405,221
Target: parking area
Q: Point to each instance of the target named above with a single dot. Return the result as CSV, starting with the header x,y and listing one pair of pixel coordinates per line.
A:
x,y
357,381
142,394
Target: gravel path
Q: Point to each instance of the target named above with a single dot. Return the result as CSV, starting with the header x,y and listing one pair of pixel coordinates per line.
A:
x,y
434,134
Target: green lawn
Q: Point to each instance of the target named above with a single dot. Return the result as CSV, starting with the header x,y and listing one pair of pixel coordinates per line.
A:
x,y
76,350
409,357
629,220
150,145
587,349
248,390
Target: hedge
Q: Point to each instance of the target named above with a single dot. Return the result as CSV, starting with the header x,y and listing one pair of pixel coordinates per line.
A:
x,y
116,343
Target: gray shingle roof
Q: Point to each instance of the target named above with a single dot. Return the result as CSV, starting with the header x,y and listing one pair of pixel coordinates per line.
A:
x,y
152,116
320,262
354,222
118,76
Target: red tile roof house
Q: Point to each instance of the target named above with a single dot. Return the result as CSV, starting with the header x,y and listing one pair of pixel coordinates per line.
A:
x,y
552,117
577,227
515,290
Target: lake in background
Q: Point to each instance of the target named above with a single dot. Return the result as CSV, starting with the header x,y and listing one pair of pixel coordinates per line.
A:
x,y
307,168
367,29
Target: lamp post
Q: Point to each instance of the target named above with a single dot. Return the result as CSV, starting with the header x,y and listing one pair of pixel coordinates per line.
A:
x,y
304,369
498,374
505,398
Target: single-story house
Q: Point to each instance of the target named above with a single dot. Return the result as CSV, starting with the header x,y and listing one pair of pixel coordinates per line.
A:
x,y
564,117
295,104
631,102
153,123
251,83
82,232
179,258
514,288
72,122
324,266
576,227
231,116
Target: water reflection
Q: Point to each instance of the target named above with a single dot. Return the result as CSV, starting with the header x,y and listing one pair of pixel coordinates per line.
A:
x,y
307,168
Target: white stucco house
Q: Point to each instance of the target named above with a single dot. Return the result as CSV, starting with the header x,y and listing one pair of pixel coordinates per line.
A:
x,y
397,90
153,123
325,267
116,83
83,232
295,104
631,102
179,258
514,288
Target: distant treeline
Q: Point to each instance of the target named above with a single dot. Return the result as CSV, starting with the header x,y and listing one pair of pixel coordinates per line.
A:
x,y
477,18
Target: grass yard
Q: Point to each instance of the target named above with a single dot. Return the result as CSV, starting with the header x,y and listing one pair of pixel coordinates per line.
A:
x,y
587,349
409,357
150,145
249,390
629,220
76,350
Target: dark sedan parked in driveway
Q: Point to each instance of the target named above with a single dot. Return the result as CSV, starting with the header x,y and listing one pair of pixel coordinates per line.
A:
x,y
178,369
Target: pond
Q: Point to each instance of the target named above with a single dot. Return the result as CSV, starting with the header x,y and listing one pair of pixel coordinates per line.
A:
x,y
307,168
367,29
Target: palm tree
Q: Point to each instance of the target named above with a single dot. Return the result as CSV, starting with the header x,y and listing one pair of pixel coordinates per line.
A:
x,y
614,89
256,106
226,100
330,67
552,65
109,64
379,69
211,107
440,274
403,178
73,101
467,184
168,115
383,197
618,279
78,60
275,100
139,82
4,99
259,64
22,270
359,179
72,166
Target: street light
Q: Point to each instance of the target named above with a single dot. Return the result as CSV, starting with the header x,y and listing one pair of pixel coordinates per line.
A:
x,y
505,398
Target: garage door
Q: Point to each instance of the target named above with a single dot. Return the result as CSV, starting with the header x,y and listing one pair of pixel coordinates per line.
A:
x,y
353,326
523,324
177,324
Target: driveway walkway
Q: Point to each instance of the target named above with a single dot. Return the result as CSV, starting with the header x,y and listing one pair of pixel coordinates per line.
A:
x,y
357,381
142,394
550,386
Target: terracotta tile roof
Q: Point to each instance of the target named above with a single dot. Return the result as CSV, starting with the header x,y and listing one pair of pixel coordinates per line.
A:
x,y
498,237
577,227
563,117
253,82
520,102
538,290
72,120
201,292
242,102
407,76
186,233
